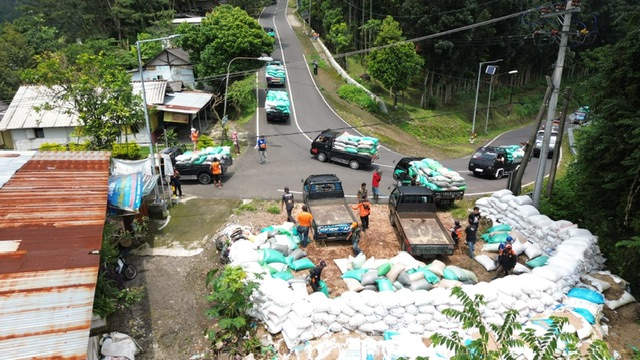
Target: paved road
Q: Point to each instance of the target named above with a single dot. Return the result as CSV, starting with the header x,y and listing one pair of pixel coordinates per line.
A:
x,y
288,143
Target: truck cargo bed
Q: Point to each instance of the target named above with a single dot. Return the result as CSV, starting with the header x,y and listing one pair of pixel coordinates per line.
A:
x,y
421,231
330,212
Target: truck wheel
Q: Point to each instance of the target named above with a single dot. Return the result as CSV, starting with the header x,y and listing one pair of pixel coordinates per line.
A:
x,y
322,157
354,164
393,224
204,179
499,174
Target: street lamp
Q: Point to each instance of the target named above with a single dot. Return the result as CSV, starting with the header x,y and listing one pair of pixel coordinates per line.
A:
x,y
261,58
486,123
475,108
512,72
152,152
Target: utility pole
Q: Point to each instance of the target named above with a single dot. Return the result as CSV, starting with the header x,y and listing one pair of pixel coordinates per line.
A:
x,y
556,154
553,101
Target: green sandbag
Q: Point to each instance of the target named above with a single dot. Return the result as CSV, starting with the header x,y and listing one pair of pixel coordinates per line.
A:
x,y
269,269
302,264
284,232
498,238
268,228
429,275
537,262
449,274
384,269
284,275
323,287
354,274
463,275
385,284
499,227
272,256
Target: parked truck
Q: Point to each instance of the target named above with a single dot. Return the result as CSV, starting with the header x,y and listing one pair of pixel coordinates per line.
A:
x,y
446,184
412,212
344,148
276,105
332,216
197,165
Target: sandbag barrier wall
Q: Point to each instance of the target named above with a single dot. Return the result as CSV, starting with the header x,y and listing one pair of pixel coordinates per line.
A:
x,y
287,307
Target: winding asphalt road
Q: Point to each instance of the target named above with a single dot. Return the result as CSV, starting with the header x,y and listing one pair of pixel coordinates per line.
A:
x,y
288,143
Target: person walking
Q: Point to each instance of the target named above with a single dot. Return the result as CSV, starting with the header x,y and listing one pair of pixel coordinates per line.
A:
x,y
288,202
195,134
470,232
315,67
316,272
354,237
175,181
261,145
375,184
364,210
236,143
216,170
304,223
362,192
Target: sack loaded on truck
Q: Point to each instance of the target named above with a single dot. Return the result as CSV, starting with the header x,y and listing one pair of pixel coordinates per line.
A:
x,y
345,148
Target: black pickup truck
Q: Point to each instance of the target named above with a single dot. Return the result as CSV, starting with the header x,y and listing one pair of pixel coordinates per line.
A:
x,y
486,161
196,171
324,149
443,196
332,216
412,211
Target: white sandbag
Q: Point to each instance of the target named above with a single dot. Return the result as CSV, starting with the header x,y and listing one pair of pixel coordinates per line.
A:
x,y
353,284
422,298
523,200
625,299
575,232
437,267
357,320
335,327
483,202
299,322
405,297
527,211
532,250
290,329
506,198
486,262
407,259
358,261
518,247
319,302
500,193
541,221
416,276
594,309
490,247
449,284
600,285
520,269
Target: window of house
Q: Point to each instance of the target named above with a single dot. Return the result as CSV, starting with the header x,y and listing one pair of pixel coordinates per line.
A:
x,y
39,133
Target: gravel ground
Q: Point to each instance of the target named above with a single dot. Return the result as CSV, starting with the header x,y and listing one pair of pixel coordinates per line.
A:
x,y
169,322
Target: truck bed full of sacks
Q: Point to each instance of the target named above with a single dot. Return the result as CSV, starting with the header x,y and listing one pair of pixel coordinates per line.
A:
x,y
204,156
362,145
435,176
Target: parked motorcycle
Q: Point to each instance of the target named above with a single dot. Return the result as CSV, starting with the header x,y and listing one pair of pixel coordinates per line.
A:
x,y
128,271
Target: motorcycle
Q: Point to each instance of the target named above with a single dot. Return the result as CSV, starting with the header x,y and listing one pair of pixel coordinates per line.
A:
x,y
127,271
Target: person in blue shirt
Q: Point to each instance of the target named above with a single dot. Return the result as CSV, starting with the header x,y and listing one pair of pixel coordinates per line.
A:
x,y
502,246
261,145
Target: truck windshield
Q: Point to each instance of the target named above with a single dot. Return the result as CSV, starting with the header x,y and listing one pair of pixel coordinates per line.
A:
x,y
484,155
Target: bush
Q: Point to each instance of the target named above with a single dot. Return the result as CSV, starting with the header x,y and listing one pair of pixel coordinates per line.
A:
x,y
205,141
128,151
273,209
52,147
356,95
79,147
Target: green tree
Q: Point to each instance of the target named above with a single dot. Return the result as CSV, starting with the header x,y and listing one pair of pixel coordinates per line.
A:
x,y
341,38
99,92
397,65
15,57
226,33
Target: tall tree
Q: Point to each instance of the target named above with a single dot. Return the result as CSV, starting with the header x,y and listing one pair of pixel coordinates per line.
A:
x,y
226,33
397,65
16,55
100,94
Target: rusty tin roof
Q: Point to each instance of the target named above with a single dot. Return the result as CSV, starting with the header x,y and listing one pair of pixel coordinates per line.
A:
x,y
52,214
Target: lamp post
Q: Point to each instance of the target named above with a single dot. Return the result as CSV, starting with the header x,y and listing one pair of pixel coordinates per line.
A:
x,y
486,122
152,152
475,108
261,58
512,72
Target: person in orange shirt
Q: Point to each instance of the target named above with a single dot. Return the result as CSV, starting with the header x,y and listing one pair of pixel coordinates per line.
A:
x,y
195,134
216,170
364,207
304,223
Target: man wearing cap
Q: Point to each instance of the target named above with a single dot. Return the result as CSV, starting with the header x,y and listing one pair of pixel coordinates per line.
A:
x,y
354,237
316,272
507,261
508,240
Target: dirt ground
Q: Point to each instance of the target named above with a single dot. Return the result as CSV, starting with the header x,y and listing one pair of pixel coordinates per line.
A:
x,y
168,323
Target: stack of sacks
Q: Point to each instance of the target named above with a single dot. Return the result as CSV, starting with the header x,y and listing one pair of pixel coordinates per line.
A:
x,y
205,156
614,289
515,153
435,176
362,145
586,303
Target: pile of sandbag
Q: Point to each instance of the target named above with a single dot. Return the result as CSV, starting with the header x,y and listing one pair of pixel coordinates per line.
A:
x,y
204,156
515,153
363,145
435,176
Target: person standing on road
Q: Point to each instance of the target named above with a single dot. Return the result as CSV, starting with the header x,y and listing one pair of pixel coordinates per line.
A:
x,y
287,200
364,210
261,145
362,192
304,223
470,232
236,143
375,184
195,134
175,181
216,170
315,67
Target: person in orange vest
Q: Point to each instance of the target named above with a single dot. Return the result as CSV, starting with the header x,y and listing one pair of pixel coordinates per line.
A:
x,y
216,170
364,209
195,134
304,223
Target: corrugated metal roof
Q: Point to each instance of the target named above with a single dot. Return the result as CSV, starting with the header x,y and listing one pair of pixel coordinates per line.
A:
x,y
155,90
55,205
170,57
21,113
185,102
